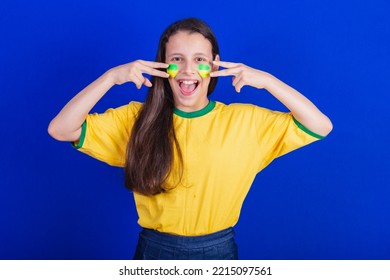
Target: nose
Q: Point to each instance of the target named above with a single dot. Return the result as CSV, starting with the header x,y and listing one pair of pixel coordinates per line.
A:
x,y
189,67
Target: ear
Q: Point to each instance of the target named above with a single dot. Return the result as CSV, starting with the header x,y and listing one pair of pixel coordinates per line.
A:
x,y
216,67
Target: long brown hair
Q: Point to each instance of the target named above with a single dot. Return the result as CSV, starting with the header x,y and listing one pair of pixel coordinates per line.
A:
x,y
150,151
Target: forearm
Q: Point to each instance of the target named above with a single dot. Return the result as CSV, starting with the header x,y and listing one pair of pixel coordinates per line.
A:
x,y
66,126
302,108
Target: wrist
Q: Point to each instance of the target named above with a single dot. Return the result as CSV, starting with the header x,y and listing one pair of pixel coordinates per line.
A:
x,y
269,81
108,79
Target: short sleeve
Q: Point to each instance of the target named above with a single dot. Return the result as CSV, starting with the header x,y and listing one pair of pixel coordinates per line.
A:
x,y
105,136
280,133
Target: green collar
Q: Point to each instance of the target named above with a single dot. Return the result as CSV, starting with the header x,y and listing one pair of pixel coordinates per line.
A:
x,y
195,114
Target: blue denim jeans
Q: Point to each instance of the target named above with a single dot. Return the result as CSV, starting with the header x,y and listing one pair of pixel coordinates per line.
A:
x,y
154,245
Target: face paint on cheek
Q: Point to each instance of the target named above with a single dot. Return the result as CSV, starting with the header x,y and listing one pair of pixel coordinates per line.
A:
x,y
172,70
204,70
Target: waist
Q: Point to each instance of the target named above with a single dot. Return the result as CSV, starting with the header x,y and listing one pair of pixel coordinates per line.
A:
x,y
190,242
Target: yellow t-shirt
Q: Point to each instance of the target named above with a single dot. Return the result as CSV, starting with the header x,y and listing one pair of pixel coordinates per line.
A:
x,y
223,148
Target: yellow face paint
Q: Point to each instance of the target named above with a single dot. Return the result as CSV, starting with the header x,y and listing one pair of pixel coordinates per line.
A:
x,y
172,70
204,70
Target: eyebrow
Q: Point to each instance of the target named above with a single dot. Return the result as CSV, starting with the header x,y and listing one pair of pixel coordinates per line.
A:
x,y
198,53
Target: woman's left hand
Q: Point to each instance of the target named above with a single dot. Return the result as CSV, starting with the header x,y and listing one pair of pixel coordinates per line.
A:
x,y
242,75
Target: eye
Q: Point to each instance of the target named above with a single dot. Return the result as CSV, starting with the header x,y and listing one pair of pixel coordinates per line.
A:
x,y
176,59
200,59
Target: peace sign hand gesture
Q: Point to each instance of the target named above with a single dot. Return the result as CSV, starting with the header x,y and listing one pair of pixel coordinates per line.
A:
x,y
242,75
134,72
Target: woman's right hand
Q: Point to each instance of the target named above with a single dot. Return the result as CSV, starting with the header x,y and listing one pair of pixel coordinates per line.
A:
x,y
66,126
133,72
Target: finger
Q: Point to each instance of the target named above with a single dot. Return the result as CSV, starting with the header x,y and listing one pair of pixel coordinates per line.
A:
x,y
239,85
158,73
154,64
147,82
154,72
138,80
225,64
236,79
223,73
138,75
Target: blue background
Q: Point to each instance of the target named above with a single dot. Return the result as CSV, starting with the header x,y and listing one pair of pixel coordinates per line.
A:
x,y
329,200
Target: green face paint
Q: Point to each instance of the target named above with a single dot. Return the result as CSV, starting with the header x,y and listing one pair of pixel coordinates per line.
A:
x,y
172,70
204,70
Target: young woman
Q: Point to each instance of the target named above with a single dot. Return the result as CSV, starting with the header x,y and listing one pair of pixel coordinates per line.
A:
x,y
189,161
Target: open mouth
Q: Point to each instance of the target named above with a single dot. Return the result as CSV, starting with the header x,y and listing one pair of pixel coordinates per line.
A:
x,y
187,86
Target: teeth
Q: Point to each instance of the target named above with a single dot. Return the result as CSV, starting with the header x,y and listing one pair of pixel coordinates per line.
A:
x,y
189,82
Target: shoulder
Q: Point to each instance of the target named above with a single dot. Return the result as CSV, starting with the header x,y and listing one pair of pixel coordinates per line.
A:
x,y
241,109
122,114
250,113
130,109
134,107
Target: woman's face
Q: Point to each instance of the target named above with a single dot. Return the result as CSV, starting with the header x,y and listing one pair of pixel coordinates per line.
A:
x,y
188,50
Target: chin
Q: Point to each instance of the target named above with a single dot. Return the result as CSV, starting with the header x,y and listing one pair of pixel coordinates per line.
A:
x,y
189,96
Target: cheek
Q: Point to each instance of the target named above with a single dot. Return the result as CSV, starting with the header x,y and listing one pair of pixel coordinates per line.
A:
x,y
205,84
206,81
172,83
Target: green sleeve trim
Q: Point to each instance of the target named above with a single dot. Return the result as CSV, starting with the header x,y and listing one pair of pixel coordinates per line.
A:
x,y
311,133
82,136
